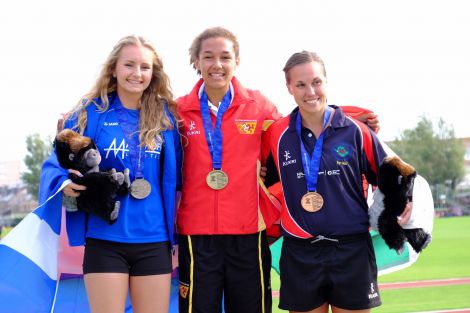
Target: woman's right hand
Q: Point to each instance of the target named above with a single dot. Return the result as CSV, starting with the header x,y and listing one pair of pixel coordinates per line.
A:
x,y
72,189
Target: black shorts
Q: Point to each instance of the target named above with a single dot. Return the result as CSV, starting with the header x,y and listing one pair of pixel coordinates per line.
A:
x,y
235,267
135,259
342,273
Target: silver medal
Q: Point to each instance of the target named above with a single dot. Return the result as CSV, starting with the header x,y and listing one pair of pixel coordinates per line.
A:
x,y
140,188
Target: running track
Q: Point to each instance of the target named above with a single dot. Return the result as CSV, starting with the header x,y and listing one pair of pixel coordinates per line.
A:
x,y
425,283
421,284
415,284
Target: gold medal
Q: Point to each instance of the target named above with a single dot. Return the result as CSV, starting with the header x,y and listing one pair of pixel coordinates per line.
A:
x,y
140,188
312,201
217,179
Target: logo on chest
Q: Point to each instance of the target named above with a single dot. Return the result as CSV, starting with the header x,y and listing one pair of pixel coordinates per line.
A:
x,y
343,152
115,148
246,127
192,129
288,159
110,124
122,150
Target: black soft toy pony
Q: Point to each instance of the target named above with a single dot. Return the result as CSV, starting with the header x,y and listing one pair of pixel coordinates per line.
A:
x,y
396,181
78,152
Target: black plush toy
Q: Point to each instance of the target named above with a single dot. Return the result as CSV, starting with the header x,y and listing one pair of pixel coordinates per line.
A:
x,y
396,180
78,152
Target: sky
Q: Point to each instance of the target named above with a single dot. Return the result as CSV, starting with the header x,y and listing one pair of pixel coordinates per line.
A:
x,y
402,59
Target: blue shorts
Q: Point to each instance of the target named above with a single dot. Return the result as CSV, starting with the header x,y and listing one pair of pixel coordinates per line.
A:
x,y
342,273
135,259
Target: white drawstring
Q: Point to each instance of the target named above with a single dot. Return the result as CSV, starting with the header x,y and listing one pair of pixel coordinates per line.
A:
x,y
320,237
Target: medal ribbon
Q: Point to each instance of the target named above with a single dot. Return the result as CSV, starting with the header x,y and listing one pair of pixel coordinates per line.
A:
x,y
214,135
311,164
132,139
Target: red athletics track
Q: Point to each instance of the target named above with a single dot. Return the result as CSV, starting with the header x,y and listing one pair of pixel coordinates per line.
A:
x,y
425,283
416,284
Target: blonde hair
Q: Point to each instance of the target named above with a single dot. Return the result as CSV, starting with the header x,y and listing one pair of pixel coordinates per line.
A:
x,y
214,32
153,118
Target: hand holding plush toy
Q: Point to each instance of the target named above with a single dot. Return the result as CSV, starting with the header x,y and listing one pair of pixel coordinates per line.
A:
x,y
398,185
78,152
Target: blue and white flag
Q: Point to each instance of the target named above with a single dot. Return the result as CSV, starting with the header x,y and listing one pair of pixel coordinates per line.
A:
x,y
28,259
39,271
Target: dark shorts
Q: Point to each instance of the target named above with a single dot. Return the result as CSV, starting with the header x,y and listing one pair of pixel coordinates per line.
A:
x,y
343,274
235,267
135,259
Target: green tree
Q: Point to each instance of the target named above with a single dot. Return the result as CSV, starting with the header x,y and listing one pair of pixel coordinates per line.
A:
x,y
38,151
435,153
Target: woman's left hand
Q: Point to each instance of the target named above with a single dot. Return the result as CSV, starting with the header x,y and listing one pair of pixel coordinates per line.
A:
x,y
262,172
404,218
371,119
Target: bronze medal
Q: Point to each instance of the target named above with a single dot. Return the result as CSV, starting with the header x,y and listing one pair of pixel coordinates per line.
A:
x,y
140,188
312,201
217,179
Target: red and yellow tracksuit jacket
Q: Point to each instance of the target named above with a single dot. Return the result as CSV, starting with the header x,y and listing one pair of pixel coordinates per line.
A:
x,y
243,206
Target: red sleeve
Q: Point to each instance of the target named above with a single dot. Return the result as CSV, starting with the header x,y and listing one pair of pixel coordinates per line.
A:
x,y
354,111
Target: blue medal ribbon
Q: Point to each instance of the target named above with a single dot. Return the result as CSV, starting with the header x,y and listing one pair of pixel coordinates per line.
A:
x,y
131,134
214,135
311,164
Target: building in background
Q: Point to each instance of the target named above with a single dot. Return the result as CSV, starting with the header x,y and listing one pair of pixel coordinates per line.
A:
x,y
461,203
15,202
466,181
10,173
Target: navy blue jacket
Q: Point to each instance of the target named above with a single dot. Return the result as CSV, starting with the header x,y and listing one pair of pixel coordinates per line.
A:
x,y
347,157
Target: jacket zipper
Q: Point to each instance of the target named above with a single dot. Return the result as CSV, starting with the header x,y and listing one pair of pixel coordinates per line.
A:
x,y
216,216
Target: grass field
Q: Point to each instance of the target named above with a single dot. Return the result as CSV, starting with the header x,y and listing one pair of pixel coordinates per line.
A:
x,y
448,256
4,232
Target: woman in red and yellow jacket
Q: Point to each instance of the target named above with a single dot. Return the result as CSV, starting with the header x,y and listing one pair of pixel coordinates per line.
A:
x,y
223,214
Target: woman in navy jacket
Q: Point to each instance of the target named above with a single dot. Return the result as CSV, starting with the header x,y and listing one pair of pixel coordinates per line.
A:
x,y
320,157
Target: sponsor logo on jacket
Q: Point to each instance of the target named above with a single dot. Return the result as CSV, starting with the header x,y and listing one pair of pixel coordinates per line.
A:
x,y
192,129
246,127
111,124
320,173
288,159
343,152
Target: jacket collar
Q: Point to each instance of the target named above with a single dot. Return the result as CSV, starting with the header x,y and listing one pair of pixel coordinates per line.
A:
x,y
339,119
240,96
